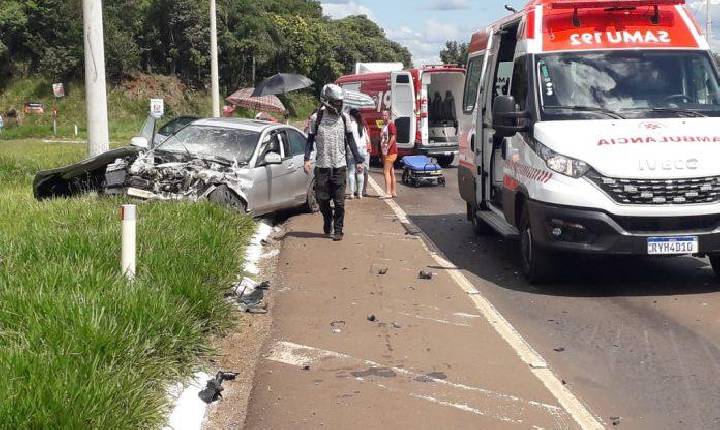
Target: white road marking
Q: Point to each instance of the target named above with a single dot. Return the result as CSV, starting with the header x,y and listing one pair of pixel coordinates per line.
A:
x,y
464,315
538,365
462,407
434,320
300,355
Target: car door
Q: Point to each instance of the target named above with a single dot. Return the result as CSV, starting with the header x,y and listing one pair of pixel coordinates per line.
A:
x,y
266,193
299,180
403,108
285,176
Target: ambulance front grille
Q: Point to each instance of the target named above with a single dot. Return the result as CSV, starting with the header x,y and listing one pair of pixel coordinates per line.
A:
x,y
659,191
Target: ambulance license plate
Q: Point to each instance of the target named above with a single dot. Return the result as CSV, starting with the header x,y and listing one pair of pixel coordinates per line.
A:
x,y
676,245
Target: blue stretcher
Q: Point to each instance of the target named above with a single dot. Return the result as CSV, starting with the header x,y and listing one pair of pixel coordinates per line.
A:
x,y
418,169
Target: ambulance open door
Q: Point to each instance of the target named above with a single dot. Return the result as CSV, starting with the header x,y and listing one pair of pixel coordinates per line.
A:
x,y
403,108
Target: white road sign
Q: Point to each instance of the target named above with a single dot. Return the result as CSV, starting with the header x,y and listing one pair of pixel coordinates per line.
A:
x,y
157,107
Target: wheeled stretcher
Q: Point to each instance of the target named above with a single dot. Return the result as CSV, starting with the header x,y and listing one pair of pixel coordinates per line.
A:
x,y
419,169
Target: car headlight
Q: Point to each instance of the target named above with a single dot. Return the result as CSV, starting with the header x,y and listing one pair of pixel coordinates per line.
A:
x,y
560,163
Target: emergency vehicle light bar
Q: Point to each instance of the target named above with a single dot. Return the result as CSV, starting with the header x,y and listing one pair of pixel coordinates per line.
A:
x,y
603,4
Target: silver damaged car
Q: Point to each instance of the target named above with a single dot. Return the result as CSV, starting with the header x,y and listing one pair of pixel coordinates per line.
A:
x,y
252,166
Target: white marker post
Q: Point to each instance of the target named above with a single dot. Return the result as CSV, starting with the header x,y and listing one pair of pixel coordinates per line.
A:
x,y
128,214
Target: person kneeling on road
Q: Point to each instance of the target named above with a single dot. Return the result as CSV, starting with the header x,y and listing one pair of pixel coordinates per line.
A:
x,y
331,134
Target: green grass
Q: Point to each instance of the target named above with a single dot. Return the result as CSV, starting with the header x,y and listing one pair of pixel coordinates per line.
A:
x,y
80,347
126,114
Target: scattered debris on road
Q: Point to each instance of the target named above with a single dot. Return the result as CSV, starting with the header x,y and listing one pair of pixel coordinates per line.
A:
x,y
337,326
213,388
615,420
371,318
249,295
382,271
559,349
425,275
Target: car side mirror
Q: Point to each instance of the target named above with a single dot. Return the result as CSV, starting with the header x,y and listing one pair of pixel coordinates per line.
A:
x,y
139,141
272,158
507,117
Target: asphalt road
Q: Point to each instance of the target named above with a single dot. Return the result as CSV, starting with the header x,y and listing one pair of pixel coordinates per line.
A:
x,y
636,339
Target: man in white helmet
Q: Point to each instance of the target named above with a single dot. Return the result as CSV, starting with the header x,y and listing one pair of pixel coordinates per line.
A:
x,y
330,133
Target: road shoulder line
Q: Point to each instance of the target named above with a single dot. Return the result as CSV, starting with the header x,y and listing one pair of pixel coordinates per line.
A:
x,y
525,351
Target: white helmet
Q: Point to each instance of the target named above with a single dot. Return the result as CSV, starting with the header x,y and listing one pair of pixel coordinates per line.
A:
x,y
332,97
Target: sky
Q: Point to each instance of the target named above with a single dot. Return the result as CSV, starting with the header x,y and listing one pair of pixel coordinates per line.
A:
x,y
423,26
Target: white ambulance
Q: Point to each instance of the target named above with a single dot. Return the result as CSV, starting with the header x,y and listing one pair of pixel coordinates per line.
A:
x,y
592,126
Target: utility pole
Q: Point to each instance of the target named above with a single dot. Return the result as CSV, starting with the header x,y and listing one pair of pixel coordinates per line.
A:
x,y
95,90
214,72
708,22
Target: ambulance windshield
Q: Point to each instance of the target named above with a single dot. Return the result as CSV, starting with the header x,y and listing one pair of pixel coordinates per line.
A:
x,y
627,84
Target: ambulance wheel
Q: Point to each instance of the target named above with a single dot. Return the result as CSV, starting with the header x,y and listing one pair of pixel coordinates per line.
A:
x,y
480,227
537,264
715,263
445,160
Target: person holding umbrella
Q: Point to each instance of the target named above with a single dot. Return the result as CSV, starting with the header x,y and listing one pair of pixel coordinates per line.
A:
x,y
331,135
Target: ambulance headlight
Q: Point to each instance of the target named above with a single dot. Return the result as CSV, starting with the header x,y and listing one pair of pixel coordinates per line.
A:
x,y
560,163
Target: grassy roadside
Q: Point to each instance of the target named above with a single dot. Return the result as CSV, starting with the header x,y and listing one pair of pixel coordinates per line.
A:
x,y
79,346
128,107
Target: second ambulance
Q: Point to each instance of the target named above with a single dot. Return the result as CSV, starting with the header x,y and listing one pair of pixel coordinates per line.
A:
x,y
592,126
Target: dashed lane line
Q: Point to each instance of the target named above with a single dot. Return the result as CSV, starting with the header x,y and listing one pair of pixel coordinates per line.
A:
x,y
522,348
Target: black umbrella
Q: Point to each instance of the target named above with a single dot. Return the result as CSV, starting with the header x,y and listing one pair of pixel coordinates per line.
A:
x,y
280,84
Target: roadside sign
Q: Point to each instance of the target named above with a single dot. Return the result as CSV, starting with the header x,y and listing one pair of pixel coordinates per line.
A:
x,y
157,108
58,90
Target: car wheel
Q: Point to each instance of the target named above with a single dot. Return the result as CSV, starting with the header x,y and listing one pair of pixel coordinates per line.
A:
x,y
715,263
311,203
445,160
480,227
537,264
226,197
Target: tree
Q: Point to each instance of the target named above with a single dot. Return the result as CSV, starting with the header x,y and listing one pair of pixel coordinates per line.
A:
x,y
256,39
454,53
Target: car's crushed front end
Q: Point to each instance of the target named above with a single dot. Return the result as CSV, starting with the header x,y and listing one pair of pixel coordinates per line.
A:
x,y
158,177
151,175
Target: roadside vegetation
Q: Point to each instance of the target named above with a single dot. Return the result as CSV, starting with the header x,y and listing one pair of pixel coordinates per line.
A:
x,y
256,39
80,347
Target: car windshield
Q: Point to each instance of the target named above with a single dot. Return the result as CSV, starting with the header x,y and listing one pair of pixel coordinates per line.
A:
x,y
214,142
175,125
627,84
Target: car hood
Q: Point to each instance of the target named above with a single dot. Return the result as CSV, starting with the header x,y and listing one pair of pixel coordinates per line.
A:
x,y
638,148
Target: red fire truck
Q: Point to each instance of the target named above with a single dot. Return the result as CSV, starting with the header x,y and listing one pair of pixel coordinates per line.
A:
x,y
425,104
